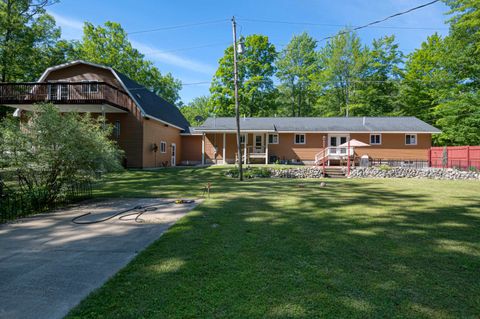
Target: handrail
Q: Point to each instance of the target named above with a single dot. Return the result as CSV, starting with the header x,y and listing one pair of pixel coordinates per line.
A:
x,y
63,92
334,151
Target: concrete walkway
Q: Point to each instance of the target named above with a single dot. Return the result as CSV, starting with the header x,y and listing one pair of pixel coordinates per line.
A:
x,y
49,264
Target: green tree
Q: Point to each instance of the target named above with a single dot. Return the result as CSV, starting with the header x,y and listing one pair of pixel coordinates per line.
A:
x,y
52,149
422,80
458,112
255,71
109,45
344,61
379,87
198,110
28,39
297,64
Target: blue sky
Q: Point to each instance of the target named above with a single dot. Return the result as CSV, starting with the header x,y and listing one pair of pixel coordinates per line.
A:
x,y
191,53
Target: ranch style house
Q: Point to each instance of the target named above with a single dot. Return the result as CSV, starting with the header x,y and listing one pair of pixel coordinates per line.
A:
x,y
153,132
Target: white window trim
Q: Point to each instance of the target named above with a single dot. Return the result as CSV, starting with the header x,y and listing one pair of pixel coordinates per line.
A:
x,y
380,143
416,139
274,134
295,139
165,148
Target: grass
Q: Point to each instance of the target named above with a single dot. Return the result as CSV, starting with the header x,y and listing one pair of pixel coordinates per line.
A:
x,y
292,249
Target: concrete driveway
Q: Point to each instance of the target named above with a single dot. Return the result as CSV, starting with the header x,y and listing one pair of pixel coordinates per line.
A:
x,y
49,264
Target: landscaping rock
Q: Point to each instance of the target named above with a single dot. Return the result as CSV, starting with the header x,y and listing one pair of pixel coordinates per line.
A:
x,y
297,172
406,172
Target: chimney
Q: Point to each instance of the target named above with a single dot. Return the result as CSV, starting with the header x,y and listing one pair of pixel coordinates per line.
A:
x,y
364,121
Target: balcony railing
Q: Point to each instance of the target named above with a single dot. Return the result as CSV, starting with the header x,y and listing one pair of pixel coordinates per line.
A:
x,y
63,93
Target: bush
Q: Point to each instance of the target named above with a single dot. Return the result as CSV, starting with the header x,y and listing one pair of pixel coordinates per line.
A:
x,y
250,172
384,167
51,149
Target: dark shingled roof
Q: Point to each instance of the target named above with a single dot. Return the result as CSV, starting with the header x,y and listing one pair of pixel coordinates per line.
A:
x,y
153,105
320,124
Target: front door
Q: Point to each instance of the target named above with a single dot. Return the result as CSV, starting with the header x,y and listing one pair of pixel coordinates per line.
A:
x,y
336,140
258,143
57,92
174,154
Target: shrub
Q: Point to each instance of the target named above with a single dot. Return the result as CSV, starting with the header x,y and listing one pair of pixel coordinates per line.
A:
x,y
50,150
384,167
250,172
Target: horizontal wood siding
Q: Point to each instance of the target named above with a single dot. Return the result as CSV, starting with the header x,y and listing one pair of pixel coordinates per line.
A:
x,y
153,133
191,149
393,147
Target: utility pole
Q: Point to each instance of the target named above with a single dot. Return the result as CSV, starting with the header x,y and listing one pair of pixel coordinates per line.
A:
x,y
237,110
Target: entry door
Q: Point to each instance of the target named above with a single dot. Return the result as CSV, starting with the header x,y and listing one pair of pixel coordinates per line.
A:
x,y
258,143
336,140
174,155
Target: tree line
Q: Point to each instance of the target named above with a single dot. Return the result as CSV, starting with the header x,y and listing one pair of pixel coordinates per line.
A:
x,y
438,82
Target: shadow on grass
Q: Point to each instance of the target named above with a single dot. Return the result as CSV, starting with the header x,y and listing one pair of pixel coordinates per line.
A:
x,y
292,249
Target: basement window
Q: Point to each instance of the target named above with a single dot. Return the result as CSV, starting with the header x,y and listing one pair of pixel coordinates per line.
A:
x,y
272,138
375,139
163,147
300,139
410,139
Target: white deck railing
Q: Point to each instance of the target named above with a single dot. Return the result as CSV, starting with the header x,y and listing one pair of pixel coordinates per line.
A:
x,y
334,152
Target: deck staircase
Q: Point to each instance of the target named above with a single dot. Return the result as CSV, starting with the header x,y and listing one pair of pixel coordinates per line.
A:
x,y
334,172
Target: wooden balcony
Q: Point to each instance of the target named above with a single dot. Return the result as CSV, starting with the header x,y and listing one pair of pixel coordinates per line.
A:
x,y
72,96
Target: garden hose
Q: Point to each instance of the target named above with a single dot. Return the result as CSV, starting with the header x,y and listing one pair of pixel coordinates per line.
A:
x,y
140,210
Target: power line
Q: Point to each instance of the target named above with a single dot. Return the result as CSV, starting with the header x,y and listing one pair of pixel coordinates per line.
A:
x,y
334,25
384,19
180,26
185,49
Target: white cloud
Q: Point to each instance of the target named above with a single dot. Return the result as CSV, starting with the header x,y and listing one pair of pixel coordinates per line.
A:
x,y
173,59
73,29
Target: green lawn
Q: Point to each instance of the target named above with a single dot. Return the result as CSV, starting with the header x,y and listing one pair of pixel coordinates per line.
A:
x,y
292,249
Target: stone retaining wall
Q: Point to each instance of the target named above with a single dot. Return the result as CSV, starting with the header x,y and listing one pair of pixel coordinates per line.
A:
x,y
404,172
297,172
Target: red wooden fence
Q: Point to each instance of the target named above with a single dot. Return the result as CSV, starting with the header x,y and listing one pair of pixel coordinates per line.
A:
x,y
462,157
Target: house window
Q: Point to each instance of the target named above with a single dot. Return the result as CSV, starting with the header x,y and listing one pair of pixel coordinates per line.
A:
x,y
243,138
375,139
117,129
300,139
410,139
272,138
90,87
163,147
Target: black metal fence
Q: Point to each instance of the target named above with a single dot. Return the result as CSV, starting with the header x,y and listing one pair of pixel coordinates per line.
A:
x,y
15,205
400,163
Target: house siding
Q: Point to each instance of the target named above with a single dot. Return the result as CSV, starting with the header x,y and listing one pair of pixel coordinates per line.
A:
x,y
153,133
393,147
191,149
83,72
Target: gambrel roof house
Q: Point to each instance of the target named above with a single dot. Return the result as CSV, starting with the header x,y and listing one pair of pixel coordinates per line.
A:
x,y
154,133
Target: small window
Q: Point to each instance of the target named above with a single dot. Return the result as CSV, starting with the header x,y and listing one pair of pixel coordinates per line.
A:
x,y
410,139
117,129
243,138
163,147
300,139
90,87
272,138
375,139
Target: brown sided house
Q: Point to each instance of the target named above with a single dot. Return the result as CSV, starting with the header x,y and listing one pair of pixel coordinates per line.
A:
x,y
146,126
154,133
309,140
